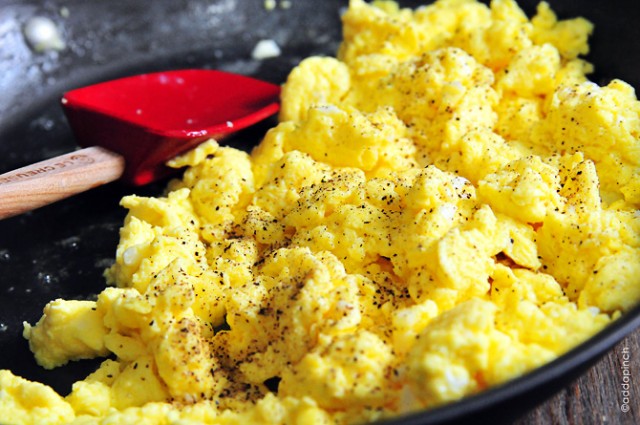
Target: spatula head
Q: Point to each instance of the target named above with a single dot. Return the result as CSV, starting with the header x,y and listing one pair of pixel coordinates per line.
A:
x,y
151,118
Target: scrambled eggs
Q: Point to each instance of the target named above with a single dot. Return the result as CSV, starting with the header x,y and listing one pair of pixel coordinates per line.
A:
x,y
443,207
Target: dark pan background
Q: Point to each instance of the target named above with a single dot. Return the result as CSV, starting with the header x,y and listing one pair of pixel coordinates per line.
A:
x,y
60,251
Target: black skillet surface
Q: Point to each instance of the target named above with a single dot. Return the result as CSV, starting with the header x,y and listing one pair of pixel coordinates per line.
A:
x,y
62,249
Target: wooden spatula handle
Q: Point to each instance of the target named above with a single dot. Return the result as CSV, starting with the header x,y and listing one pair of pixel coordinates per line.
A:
x,y
57,178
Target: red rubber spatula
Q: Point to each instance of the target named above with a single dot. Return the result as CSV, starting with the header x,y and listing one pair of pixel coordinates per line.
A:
x,y
131,127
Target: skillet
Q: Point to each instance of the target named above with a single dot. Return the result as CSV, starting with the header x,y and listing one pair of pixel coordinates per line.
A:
x,y
62,249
